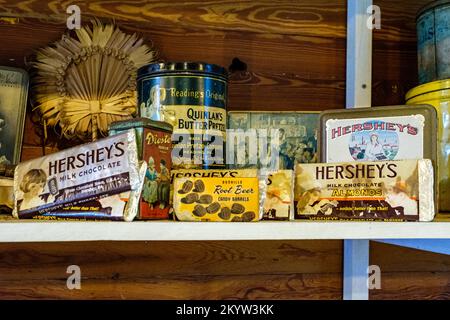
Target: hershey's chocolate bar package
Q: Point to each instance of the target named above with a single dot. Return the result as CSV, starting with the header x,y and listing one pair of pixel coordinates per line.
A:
x,y
120,207
386,190
67,178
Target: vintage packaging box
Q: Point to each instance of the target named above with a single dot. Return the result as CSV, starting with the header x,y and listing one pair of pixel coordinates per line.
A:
x,y
119,207
6,195
271,140
380,134
216,195
154,141
279,195
385,190
13,104
67,178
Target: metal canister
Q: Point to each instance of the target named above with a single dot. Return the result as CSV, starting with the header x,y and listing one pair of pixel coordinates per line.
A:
x,y
154,144
437,94
433,41
192,96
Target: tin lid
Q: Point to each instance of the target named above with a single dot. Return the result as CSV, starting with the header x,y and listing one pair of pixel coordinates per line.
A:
x,y
428,111
431,6
177,67
440,88
139,123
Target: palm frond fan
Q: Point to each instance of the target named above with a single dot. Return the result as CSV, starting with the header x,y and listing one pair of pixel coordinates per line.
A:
x,y
84,83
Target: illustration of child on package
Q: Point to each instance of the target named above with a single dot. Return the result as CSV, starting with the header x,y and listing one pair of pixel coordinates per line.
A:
x,y
32,187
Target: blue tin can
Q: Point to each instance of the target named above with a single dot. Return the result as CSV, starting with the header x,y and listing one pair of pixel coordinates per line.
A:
x,y
192,96
433,37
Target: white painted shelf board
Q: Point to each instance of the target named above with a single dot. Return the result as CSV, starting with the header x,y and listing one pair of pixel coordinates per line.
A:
x,y
55,231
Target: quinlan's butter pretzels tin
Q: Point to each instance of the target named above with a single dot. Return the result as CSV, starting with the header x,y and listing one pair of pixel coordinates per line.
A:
x,y
217,196
192,96
154,142
385,190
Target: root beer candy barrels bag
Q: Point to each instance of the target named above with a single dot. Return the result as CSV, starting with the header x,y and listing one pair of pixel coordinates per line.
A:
x,y
217,195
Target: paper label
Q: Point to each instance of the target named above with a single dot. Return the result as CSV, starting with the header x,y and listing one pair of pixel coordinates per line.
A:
x,y
386,190
106,167
155,199
233,199
375,139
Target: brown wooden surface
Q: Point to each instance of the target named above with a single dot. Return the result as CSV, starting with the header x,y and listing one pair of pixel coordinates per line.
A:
x,y
394,259
295,56
253,287
410,274
307,17
213,258
295,50
212,270
413,286
174,270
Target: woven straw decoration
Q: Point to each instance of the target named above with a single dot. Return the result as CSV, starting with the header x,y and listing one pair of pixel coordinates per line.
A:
x,y
85,83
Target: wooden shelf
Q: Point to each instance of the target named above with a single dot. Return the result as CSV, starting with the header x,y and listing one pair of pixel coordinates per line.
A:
x,y
57,231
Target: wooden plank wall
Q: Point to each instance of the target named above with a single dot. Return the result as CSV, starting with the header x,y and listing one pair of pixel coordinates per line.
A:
x,y
295,56
212,270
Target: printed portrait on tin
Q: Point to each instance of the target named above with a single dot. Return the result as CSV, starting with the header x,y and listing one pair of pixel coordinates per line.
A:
x,y
154,107
374,145
12,110
151,108
297,134
6,153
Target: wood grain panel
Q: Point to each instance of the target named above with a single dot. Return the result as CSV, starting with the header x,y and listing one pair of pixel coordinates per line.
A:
x,y
395,286
261,91
390,92
412,286
316,57
262,53
306,73
319,17
130,260
245,287
398,19
307,18
395,259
